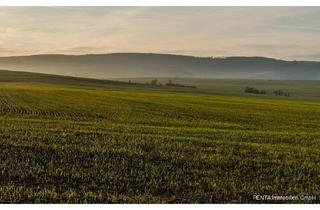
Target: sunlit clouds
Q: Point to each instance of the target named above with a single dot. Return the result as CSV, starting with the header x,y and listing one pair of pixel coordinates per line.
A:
x,y
280,32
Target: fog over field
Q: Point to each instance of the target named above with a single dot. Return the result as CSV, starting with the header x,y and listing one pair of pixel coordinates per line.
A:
x,y
122,65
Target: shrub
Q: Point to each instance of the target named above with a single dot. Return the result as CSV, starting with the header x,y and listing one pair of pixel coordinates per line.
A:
x,y
253,90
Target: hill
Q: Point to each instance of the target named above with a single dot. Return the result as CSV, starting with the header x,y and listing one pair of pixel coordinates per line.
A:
x,y
122,65
31,77
73,143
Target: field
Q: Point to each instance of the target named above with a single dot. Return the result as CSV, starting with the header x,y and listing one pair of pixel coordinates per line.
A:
x,y
298,89
81,144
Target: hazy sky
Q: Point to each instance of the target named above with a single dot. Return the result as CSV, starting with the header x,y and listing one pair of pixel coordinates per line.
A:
x,y
280,32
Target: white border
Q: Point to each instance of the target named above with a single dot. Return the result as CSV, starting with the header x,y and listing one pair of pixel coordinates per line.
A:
x,y
159,3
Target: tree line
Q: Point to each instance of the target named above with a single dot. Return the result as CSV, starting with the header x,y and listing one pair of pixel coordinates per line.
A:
x,y
170,83
257,91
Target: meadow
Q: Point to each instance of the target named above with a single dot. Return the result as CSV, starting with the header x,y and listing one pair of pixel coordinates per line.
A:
x,y
79,144
298,89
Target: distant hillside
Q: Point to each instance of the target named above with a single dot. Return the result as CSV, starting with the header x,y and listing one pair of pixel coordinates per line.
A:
x,y
30,77
123,65
21,76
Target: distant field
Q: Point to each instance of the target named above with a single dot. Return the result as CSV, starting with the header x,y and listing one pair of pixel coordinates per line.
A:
x,y
63,144
298,89
309,90
31,77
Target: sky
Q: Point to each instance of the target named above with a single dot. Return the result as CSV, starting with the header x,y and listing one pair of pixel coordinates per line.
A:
x,y
291,33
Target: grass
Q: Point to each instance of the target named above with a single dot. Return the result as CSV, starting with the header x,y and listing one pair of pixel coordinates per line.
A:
x,y
298,89
68,144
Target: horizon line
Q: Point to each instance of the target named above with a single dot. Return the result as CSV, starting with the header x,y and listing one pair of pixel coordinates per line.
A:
x,y
153,53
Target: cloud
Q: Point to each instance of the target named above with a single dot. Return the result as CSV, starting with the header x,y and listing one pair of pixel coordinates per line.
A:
x,y
85,50
202,31
314,56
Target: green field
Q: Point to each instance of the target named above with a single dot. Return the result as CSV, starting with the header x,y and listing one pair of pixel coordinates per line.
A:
x,y
298,89
81,144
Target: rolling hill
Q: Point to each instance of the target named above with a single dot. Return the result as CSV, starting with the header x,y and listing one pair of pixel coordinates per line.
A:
x,y
31,77
63,144
7,76
123,65
63,140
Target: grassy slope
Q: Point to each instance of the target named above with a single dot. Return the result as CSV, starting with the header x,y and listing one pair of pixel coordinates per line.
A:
x,y
63,144
31,77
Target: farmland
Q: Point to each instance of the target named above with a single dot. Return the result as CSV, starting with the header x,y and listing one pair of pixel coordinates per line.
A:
x,y
298,89
64,143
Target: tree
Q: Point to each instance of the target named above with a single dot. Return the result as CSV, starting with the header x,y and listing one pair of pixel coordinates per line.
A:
x,y
263,92
281,93
154,82
254,90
